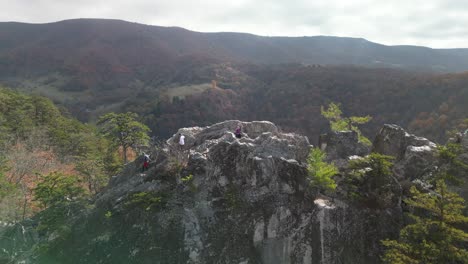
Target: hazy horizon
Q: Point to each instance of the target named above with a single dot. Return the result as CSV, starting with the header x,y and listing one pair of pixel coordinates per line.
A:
x,y
438,24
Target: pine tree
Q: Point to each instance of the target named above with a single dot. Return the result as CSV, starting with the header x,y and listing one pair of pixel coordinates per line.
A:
x,y
339,123
320,172
124,130
371,182
434,237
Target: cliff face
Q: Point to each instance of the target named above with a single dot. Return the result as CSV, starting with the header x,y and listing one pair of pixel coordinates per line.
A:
x,y
220,199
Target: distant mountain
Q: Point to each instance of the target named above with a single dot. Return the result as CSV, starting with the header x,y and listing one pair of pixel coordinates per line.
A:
x,y
93,66
133,48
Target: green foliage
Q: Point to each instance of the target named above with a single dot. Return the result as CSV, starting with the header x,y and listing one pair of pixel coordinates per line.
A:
x,y
62,197
434,236
97,163
461,126
56,188
20,113
374,165
37,122
92,169
320,172
451,166
187,178
370,180
34,137
124,130
108,214
6,187
339,123
145,200
112,163
72,138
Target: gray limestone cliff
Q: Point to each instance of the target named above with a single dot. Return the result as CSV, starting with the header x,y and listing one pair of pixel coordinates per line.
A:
x,y
221,199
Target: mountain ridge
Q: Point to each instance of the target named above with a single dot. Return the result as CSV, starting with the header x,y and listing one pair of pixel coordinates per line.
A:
x,y
94,66
116,20
246,47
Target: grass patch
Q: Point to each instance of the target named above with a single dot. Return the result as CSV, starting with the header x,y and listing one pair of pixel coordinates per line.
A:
x,y
182,91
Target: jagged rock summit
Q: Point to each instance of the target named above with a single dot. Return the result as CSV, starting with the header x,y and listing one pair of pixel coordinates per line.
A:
x,y
221,199
215,146
248,198
263,138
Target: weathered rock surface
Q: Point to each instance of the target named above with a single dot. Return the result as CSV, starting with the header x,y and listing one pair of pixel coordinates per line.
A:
x,y
249,200
341,145
220,199
464,142
414,156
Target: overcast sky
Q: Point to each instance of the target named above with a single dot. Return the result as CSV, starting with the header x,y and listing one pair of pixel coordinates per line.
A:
x,y
433,23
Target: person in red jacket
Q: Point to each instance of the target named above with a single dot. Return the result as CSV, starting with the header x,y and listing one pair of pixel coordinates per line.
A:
x,y
146,160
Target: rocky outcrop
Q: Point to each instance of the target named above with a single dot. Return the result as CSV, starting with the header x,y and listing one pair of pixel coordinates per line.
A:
x,y
262,137
414,156
341,145
221,199
464,144
233,200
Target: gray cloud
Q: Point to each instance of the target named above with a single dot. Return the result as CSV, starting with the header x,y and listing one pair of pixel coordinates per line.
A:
x,y
436,23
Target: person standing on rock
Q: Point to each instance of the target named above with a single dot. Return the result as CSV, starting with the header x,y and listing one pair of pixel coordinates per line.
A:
x,y
146,160
181,141
238,132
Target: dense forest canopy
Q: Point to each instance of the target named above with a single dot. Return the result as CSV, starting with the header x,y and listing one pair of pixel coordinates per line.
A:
x,y
291,96
37,139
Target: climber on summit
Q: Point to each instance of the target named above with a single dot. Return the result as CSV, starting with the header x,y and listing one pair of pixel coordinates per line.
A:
x,y
181,141
146,160
238,132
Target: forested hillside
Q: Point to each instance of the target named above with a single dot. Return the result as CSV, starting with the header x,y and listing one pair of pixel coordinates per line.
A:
x,y
38,142
291,96
92,67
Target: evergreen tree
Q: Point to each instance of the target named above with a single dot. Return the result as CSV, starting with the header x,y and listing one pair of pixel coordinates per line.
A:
x,y
35,137
339,123
370,181
124,130
451,166
56,188
63,198
435,236
320,172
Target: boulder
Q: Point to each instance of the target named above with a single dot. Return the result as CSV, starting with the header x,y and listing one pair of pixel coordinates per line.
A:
x,y
414,156
341,145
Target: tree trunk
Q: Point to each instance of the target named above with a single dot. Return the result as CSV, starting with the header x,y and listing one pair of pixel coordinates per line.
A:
x,y
125,154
